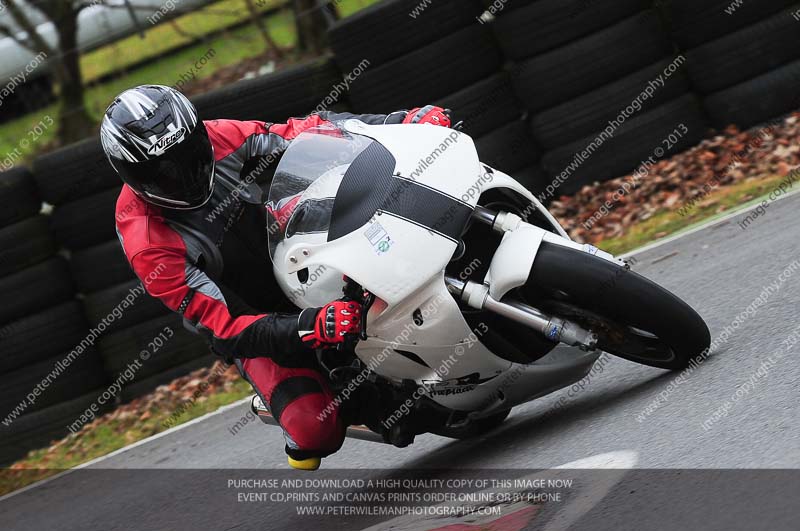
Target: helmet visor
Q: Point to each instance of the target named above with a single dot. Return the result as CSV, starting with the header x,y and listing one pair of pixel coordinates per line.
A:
x,y
181,177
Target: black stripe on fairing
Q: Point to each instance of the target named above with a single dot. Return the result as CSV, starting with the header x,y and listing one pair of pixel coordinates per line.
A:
x,y
369,186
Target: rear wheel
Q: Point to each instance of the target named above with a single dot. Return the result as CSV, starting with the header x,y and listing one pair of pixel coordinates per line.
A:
x,y
633,317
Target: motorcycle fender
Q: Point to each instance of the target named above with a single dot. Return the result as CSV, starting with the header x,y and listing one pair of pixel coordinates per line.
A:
x,y
512,262
502,180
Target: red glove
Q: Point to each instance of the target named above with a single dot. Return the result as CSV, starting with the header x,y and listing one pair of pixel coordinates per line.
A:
x,y
428,115
332,323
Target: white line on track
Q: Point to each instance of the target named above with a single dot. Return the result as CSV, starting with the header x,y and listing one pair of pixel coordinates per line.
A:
x,y
752,205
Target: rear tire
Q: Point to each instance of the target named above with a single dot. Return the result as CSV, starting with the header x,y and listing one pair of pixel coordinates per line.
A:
x,y
563,277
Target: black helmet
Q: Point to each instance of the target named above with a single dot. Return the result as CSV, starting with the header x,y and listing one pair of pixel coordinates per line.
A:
x,y
155,142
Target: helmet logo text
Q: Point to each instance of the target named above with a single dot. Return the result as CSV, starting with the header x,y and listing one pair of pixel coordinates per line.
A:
x,y
166,141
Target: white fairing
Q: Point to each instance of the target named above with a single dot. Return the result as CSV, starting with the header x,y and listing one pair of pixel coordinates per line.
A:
x,y
397,273
416,329
325,281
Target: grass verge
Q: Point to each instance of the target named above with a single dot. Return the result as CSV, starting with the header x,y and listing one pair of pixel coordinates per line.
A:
x,y
118,429
166,36
670,222
229,48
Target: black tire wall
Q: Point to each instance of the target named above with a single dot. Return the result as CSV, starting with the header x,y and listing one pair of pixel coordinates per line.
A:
x,y
485,106
274,98
591,112
422,76
633,143
25,292
694,22
745,54
18,196
391,30
546,24
24,244
37,429
35,337
100,266
73,172
87,221
74,379
744,104
595,60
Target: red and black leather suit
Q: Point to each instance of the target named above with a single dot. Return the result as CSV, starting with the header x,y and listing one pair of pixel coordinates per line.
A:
x,y
212,266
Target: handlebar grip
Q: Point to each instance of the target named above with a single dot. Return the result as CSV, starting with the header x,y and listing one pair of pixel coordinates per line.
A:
x,y
352,290
350,342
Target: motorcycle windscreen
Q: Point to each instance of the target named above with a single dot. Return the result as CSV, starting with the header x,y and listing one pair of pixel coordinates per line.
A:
x,y
306,181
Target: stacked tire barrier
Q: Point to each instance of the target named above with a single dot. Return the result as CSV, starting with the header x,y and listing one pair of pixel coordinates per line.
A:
x,y
113,298
50,374
580,77
276,97
538,84
296,91
745,64
440,55
404,59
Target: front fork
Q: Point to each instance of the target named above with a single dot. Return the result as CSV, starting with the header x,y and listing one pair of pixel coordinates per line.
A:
x,y
553,328
478,296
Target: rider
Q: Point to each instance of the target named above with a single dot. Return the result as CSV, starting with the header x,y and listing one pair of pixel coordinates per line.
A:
x,y
193,225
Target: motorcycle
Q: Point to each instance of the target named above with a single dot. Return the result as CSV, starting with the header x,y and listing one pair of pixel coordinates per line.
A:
x,y
468,282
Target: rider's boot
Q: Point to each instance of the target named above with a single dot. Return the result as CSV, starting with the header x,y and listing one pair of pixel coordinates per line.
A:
x,y
296,461
301,460
309,464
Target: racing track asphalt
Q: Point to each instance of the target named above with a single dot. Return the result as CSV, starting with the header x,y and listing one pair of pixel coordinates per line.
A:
x,y
719,270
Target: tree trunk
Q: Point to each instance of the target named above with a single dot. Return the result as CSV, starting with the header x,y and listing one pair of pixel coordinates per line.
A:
x,y
262,28
312,22
74,122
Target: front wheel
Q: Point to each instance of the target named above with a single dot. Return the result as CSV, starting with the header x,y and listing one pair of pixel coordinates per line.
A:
x,y
634,318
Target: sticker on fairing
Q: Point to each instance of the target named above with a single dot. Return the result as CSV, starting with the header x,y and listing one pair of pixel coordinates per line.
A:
x,y
591,249
379,238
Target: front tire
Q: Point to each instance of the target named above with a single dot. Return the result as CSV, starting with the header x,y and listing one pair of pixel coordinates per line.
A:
x,y
635,318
